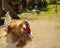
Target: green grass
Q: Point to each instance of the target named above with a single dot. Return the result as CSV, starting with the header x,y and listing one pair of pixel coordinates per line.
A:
x,y
48,14
51,10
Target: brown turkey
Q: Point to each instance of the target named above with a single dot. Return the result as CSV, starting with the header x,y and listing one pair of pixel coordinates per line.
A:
x,y
19,30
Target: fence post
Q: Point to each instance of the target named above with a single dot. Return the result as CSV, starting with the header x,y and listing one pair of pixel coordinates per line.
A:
x,y
56,7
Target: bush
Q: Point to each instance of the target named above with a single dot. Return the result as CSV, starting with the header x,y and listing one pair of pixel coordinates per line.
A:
x,y
44,4
52,2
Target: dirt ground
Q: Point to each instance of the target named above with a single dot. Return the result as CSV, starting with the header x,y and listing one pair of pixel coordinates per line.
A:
x,y
46,34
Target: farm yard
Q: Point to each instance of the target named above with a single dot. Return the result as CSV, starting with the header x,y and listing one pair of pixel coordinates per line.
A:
x,y
44,20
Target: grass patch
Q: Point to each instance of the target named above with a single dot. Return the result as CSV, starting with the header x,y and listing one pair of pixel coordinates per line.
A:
x,y
29,16
49,14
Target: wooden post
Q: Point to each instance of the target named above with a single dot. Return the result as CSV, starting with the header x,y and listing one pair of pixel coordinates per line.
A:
x,y
7,7
0,8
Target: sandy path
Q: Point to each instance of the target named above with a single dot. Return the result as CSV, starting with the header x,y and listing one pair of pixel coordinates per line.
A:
x,y
46,34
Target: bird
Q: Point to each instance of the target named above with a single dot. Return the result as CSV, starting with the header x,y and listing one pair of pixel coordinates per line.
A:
x,y
38,12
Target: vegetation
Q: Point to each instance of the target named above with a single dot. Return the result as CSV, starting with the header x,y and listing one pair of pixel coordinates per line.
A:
x,y
48,12
42,5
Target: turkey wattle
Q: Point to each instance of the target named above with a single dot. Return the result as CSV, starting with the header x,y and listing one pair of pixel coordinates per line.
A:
x,y
27,27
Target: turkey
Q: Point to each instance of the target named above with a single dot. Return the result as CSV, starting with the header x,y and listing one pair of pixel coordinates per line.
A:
x,y
19,30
